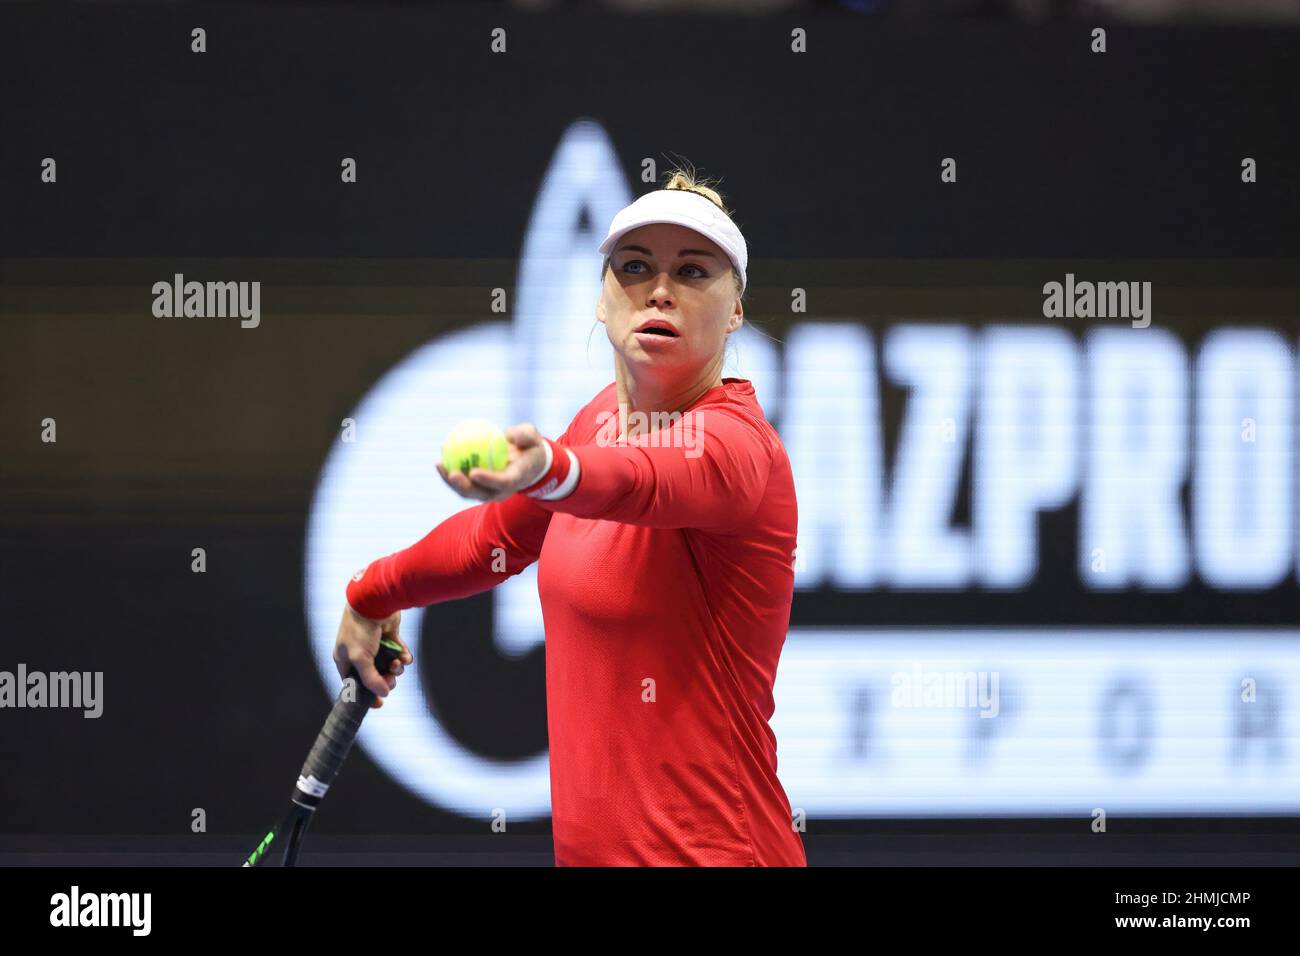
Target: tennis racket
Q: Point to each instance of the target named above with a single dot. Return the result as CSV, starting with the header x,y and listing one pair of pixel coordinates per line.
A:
x,y
323,764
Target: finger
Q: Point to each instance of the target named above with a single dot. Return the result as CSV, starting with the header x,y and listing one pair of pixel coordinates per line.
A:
x,y
510,479
492,480
479,493
466,488
370,677
457,480
405,657
524,435
515,470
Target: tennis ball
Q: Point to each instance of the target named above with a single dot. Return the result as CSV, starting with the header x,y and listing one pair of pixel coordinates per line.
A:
x,y
475,443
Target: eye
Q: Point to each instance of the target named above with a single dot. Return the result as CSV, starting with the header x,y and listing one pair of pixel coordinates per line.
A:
x,y
639,262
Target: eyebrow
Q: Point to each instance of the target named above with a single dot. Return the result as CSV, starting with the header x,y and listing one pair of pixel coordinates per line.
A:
x,y
683,253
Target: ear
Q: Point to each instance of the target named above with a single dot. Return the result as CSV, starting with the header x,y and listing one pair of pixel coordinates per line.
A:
x,y
736,319
600,308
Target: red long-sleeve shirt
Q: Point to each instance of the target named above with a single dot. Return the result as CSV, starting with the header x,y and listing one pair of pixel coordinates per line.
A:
x,y
665,579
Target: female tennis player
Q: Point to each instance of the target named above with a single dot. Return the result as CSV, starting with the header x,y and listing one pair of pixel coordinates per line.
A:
x,y
663,522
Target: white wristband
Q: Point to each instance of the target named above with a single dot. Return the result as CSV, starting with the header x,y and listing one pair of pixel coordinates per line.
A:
x,y
546,492
570,482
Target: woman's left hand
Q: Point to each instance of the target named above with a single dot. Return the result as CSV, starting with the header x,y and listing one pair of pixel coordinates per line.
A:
x,y
524,465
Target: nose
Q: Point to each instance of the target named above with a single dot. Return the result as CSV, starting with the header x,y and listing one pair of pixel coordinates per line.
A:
x,y
661,291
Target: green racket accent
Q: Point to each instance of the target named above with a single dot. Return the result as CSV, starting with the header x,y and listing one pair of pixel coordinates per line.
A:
x,y
325,759
261,849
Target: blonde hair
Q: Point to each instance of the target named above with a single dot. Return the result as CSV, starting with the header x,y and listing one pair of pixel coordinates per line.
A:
x,y
682,179
685,179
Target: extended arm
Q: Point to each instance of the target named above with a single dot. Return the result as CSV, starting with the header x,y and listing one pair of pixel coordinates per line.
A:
x,y
470,552
708,471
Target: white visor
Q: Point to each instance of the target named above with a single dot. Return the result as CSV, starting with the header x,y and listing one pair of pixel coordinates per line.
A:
x,y
683,208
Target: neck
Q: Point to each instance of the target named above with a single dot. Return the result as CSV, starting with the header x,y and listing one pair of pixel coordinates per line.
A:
x,y
649,396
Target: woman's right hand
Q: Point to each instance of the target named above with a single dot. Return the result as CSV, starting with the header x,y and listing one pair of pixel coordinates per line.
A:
x,y
358,643
525,464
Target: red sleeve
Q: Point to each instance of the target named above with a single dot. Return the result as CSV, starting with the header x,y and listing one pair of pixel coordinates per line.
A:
x,y
711,475
470,552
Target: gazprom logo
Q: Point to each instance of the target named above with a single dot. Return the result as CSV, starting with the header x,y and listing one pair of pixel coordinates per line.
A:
x,y
1115,420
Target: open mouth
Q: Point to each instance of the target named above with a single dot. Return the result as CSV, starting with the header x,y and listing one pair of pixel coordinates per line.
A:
x,y
658,327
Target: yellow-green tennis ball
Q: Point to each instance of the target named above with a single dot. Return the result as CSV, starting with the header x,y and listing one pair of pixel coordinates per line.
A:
x,y
475,443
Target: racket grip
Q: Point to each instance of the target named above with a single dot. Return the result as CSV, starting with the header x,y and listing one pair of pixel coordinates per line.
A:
x,y
340,731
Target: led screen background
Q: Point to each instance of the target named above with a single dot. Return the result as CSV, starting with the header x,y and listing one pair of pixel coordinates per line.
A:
x,y
959,457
